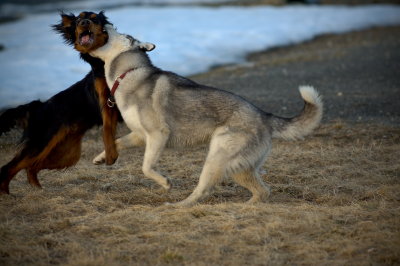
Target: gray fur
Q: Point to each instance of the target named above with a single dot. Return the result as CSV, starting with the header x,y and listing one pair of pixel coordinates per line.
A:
x,y
164,109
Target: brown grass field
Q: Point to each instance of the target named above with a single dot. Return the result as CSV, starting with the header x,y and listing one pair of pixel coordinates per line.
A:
x,y
335,195
335,200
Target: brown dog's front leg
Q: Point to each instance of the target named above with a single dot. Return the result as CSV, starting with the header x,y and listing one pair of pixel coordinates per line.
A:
x,y
110,121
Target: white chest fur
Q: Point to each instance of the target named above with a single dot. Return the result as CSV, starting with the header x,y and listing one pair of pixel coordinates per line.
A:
x,y
130,114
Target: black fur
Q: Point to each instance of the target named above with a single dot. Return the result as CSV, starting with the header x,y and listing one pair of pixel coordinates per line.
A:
x,y
71,112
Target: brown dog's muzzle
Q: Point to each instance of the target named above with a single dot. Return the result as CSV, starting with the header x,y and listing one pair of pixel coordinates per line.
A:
x,y
84,23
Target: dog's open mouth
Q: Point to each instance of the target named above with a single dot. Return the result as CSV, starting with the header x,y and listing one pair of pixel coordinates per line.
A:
x,y
86,38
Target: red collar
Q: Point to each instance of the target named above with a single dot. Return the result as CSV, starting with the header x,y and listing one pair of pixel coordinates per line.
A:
x,y
111,99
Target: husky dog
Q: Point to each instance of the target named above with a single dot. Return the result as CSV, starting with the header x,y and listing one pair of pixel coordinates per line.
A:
x,y
164,109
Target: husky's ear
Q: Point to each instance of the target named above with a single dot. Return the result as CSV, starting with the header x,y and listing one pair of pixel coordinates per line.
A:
x,y
146,46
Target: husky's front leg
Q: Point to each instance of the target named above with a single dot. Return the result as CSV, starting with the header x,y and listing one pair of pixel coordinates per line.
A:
x,y
155,144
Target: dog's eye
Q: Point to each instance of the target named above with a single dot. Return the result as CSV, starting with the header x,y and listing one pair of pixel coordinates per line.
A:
x,y
95,20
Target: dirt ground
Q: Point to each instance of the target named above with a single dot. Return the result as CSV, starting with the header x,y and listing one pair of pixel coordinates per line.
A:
x,y
335,195
357,74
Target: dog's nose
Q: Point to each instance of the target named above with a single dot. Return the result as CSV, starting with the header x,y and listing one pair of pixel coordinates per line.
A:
x,y
84,22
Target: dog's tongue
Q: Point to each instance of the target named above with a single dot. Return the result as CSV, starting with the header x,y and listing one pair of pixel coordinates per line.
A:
x,y
85,39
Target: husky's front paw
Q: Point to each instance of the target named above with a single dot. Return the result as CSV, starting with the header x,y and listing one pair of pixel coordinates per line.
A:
x,y
167,185
100,159
183,203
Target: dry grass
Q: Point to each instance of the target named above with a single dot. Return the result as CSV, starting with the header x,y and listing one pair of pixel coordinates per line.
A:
x,y
335,200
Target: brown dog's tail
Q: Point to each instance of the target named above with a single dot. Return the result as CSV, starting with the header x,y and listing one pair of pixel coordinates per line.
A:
x,y
300,126
17,116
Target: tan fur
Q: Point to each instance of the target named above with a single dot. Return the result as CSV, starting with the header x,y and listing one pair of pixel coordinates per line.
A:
x,y
164,109
110,117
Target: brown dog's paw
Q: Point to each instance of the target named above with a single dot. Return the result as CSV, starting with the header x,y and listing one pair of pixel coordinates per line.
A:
x,y
111,158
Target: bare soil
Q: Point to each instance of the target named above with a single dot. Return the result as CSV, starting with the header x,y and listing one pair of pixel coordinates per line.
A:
x,y
357,73
335,195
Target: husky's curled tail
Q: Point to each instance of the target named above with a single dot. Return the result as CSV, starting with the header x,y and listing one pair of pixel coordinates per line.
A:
x,y
300,126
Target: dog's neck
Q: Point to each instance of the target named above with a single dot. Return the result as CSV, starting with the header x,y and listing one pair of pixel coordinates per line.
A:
x,y
119,55
133,59
96,64
115,45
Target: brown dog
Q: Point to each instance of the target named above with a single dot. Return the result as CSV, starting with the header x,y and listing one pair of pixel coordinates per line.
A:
x,y
53,129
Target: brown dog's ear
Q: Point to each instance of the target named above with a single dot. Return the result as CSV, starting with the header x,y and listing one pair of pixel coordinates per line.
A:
x,y
103,18
66,27
67,20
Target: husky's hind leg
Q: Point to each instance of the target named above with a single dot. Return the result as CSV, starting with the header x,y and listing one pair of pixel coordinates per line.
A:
x,y
214,168
212,173
251,180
